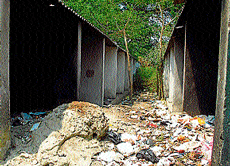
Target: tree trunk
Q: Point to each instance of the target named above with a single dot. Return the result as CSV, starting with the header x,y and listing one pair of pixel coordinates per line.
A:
x,y
129,67
160,58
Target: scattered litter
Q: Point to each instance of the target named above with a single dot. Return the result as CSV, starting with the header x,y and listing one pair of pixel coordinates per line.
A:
x,y
26,118
38,113
210,119
35,126
142,118
108,156
115,138
125,148
157,150
148,155
134,116
150,135
149,142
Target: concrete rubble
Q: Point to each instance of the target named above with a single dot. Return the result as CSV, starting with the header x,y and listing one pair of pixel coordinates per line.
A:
x,y
146,133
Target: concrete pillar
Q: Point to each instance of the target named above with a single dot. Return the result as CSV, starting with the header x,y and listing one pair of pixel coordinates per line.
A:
x,y
126,74
92,73
132,67
110,72
166,76
4,75
120,72
221,148
191,101
79,33
135,66
176,75
171,74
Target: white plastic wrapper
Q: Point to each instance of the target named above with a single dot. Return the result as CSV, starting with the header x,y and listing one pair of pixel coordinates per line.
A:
x,y
125,148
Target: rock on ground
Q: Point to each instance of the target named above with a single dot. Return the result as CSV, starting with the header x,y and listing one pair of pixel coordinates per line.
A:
x,y
67,136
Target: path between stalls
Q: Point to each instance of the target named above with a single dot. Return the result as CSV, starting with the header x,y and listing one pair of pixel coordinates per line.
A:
x,y
149,135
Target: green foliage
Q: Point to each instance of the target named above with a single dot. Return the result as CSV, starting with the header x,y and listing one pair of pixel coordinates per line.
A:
x,y
144,26
108,16
145,78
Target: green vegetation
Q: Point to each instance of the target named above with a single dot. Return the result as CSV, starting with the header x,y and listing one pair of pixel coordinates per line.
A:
x,y
145,78
143,28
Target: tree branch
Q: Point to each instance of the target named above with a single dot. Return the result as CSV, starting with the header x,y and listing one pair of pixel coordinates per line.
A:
x,y
117,25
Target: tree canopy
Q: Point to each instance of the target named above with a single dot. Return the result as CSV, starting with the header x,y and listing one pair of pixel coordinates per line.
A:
x,y
141,20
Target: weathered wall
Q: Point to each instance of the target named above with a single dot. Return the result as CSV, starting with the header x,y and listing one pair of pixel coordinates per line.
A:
x,y
92,73
166,76
193,89
190,102
174,73
135,66
4,75
132,67
110,72
126,74
77,59
171,77
120,72
177,63
221,148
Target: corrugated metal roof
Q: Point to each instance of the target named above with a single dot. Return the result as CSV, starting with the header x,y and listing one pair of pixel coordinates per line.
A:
x,y
86,21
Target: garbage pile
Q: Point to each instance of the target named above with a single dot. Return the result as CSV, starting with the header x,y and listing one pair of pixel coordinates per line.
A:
x,y
69,135
79,133
24,124
160,138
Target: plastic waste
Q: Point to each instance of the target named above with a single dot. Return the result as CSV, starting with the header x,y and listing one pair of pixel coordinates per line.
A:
x,y
165,123
157,150
26,138
188,146
128,138
180,137
210,119
148,155
142,118
26,118
114,137
109,156
166,161
152,125
149,142
17,121
35,126
207,150
125,148
37,113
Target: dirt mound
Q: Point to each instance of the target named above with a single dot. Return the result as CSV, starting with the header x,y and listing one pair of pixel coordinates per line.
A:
x,y
62,134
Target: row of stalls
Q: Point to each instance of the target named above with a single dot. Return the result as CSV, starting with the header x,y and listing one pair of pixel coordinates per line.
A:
x,y
196,69
56,56
191,59
51,55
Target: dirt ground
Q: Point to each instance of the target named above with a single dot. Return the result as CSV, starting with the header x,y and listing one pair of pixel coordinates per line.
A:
x,y
26,142
83,128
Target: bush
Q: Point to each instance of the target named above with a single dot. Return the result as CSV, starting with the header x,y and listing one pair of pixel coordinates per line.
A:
x,y
145,78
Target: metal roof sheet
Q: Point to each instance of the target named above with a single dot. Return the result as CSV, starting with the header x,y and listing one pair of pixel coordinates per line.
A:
x,y
90,24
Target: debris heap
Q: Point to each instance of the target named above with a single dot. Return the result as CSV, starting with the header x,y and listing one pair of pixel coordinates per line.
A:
x,y
73,129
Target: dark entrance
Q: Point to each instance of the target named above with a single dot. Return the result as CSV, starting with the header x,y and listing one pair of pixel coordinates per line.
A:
x,y
43,42
202,19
